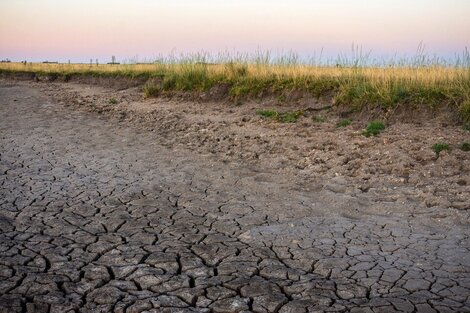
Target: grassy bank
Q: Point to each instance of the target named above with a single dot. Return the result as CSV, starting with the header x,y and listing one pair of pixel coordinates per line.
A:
x,y
431,86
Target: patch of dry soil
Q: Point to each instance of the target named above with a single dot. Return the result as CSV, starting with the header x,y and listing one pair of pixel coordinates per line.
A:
x,y
161,205
397,169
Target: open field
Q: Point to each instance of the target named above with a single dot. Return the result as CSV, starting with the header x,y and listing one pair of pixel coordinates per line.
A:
x,y
387,88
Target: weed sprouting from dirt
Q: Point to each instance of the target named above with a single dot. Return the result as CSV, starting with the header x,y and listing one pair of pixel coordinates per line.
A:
x,y
464,110
285,117
318,119
281,98
290,117
465,146
268,113
343,123
151,90
439,147
112,101
374,128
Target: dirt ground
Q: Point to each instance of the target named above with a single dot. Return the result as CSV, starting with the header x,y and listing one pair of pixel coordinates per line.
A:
x,y
169,205
397,169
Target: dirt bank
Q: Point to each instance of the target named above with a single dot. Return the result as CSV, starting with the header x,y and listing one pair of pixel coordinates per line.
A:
x,y
397,169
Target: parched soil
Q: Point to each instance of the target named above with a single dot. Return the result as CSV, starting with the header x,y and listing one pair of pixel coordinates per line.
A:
x,y
397,168
170,205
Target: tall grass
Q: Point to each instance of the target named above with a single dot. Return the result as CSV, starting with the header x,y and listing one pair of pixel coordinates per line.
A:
x,y
352,82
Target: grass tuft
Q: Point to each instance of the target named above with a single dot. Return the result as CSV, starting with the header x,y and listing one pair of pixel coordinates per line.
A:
x,y
465,146
268,113
235,70
151,90
465,112
343,123
439,147
286,117
374,128
112,101
290,117
318,119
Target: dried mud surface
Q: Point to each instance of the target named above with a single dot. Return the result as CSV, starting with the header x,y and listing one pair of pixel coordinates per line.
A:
x,y
166,205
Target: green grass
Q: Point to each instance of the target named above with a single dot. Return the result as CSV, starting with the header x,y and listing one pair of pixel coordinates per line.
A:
x,y
343,123
290,117
439,147
359,93
318,119
152,90
374,128
464,109
112,101
236,70
281,98
285,117
465,146
268,113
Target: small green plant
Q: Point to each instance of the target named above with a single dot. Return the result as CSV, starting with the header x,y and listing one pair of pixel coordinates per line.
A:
x,y
439,147
290,117
465,146
281,98
374,128
467,127
318,119
465,111
151,90
343,123
113,101
286,117
268,113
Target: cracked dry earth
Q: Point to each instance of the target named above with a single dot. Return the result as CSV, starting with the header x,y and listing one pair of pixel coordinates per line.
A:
x,y
99,216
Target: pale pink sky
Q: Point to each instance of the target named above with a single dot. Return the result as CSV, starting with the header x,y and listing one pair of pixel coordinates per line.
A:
x,y
79,30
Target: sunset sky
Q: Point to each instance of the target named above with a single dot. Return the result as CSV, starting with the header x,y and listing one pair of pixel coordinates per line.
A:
x,y
59,30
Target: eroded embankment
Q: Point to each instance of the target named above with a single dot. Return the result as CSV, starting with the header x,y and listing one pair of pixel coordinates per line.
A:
x,y
398,168
395,93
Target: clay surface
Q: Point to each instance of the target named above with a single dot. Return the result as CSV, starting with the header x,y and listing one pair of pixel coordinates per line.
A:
x,y
175,206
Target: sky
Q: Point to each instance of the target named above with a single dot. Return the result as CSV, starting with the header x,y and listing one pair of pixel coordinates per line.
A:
x,y
59,30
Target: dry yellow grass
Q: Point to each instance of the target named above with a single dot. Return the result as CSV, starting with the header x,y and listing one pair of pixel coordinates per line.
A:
x,y
356,86
428,74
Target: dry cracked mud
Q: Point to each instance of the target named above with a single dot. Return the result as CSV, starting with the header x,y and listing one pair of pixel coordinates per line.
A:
x,y
99,215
